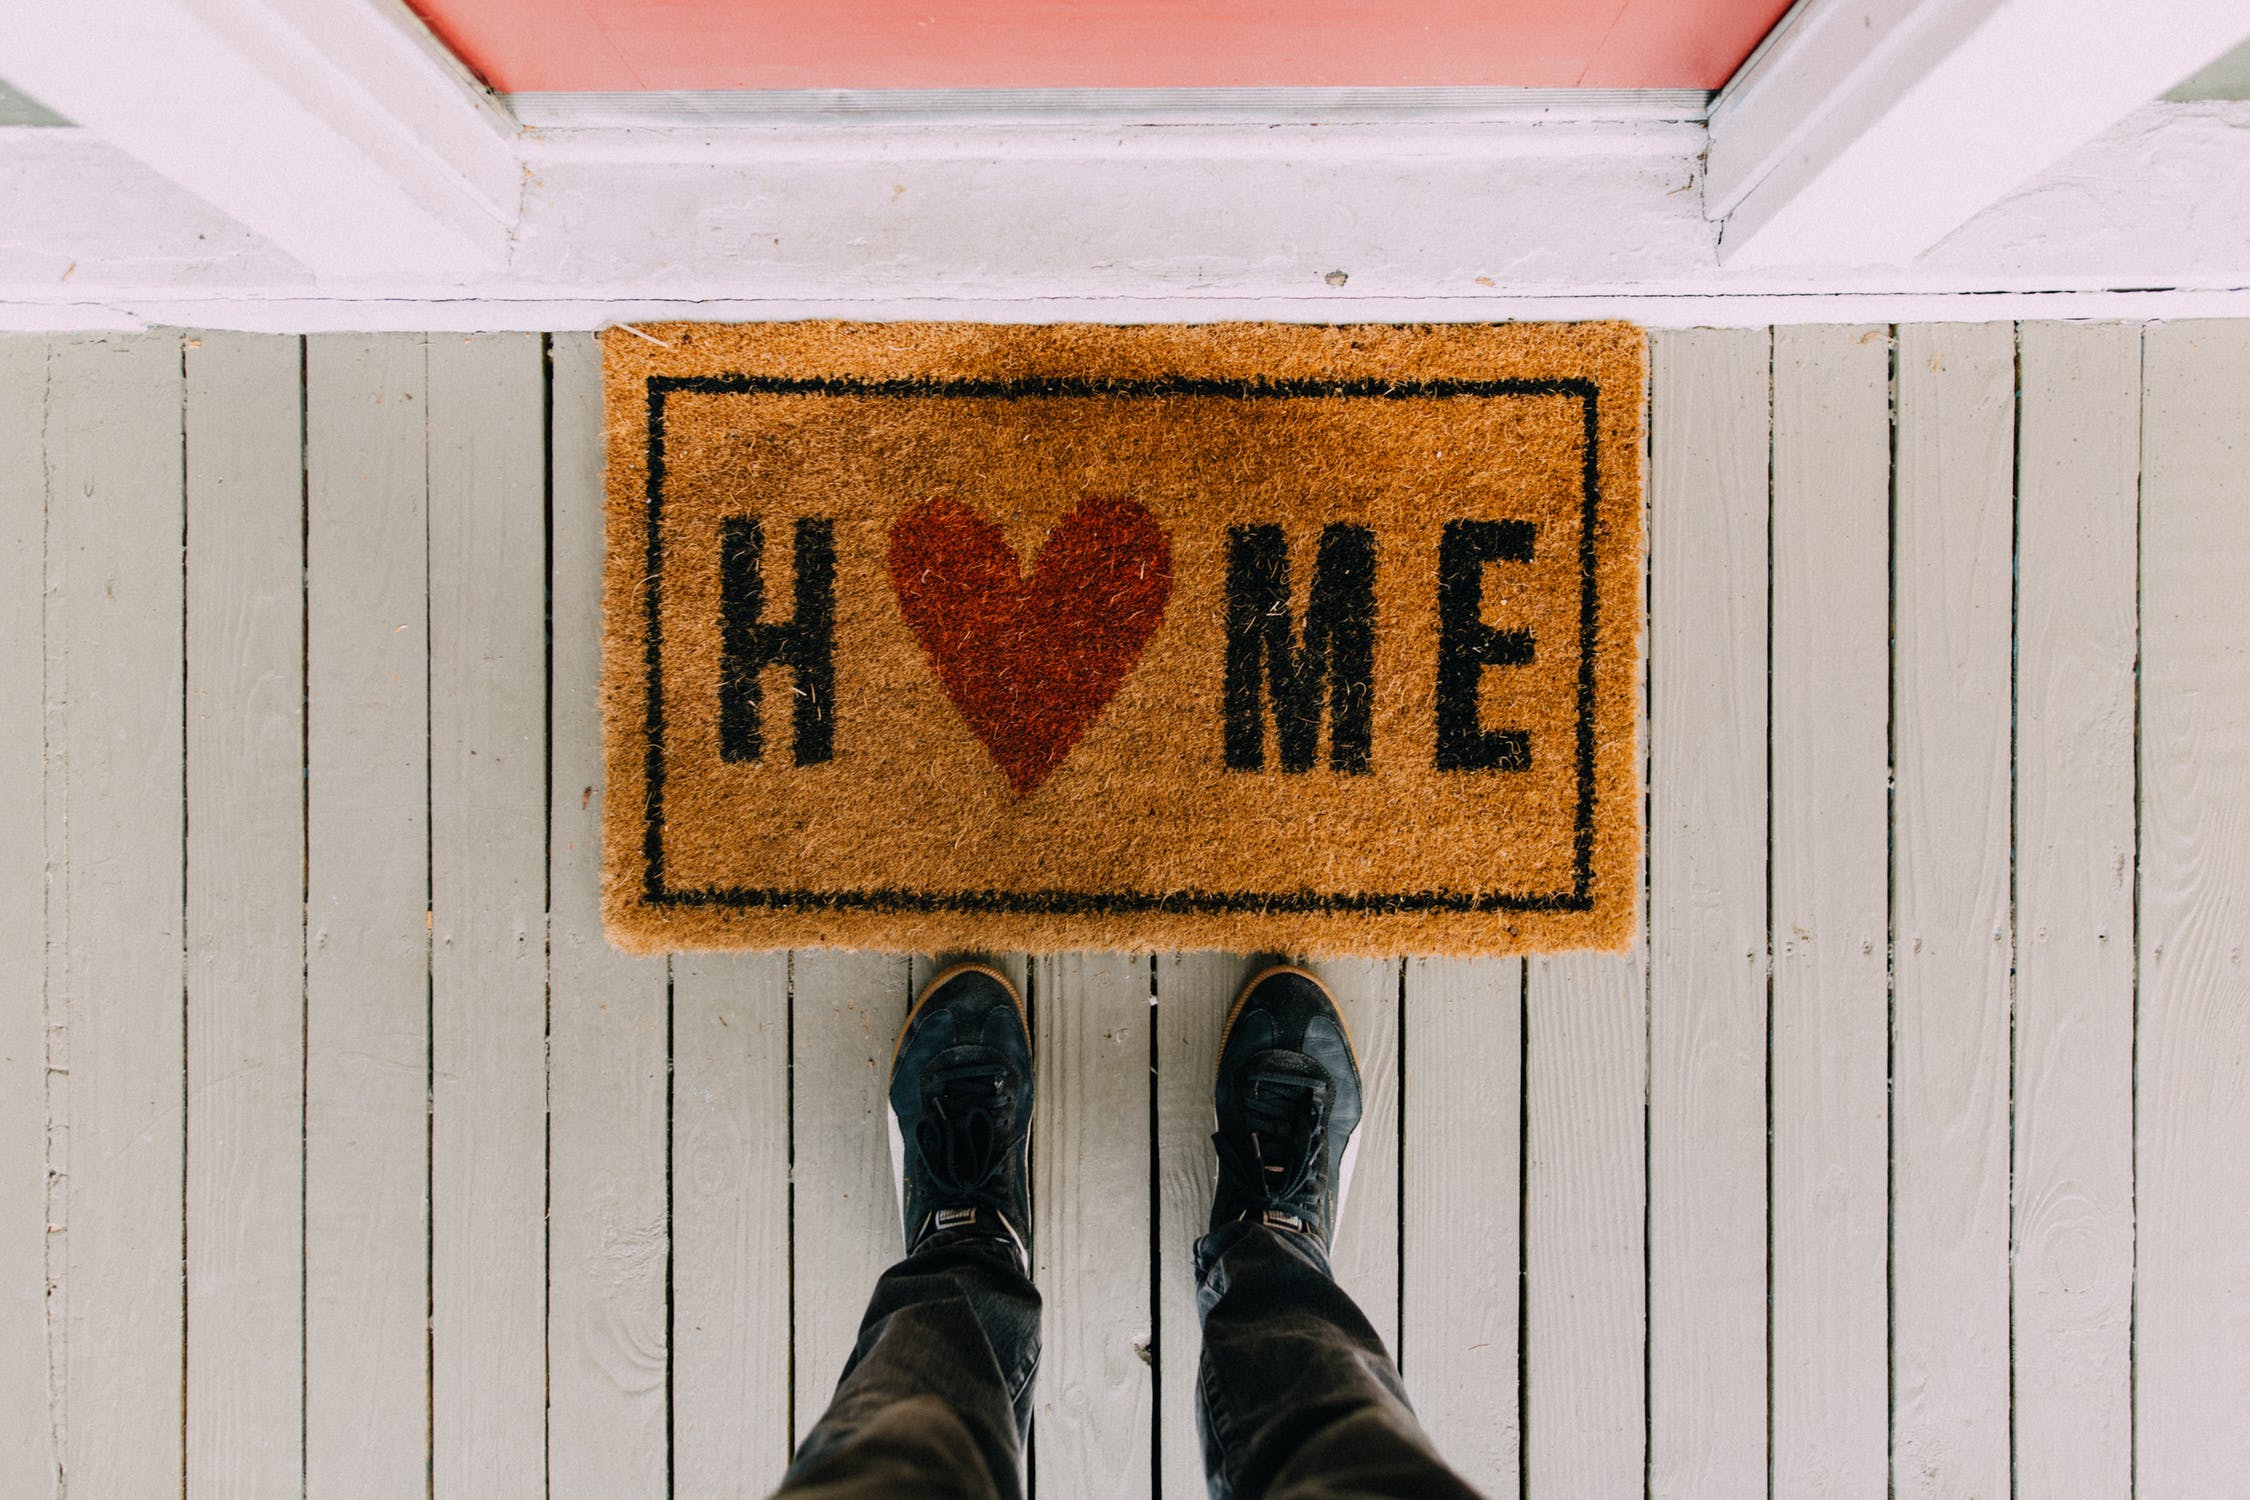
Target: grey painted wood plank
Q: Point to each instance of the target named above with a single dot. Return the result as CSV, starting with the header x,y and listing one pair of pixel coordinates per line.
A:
x,y
367,1041
1709,450
1830,829
1462,1201
845,1010
488,794
1365,1254
1953,567
730,1216
1193,992
730,1222
27,1438
1585,1315
245,915
2079,464
2192,1346
114,685
114,801
1095,1396
607,1227
55,845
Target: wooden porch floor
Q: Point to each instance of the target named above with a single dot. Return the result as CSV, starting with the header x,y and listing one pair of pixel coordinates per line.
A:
x,y
339,1155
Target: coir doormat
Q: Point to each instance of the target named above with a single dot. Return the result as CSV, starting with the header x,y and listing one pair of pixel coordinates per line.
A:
x,y
946,636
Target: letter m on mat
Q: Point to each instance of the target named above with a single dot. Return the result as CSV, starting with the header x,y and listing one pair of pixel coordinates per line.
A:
x,y
1327,668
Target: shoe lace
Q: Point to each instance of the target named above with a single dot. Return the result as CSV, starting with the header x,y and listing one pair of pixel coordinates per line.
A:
x,y
1285,1150
963,1137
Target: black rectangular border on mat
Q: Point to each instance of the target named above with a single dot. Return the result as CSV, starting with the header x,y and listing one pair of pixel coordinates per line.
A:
x,y
1102,903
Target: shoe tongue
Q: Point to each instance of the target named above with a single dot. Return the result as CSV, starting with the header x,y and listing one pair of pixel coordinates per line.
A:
x,y
969,1075
1284,1069
968,1121
1283,1097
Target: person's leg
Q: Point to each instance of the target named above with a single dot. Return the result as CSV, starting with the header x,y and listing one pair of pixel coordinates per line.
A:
x,y
937,1390
1297,1399
936,1396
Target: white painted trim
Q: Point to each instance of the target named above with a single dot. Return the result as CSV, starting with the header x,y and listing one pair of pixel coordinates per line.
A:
x,y
334,128
1001,108
1871,129
352,158
785,145
1752,68
261,314
1471,221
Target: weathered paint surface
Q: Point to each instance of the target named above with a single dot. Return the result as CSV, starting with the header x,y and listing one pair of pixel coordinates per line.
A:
x,y
1122,223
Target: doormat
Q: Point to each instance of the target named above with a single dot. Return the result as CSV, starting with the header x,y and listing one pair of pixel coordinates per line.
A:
x,y
961,637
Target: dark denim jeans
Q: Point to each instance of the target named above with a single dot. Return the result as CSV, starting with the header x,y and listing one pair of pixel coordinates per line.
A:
x,y
1297,1399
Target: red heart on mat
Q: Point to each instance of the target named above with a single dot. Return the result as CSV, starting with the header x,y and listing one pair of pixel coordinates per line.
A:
x,y
1031,662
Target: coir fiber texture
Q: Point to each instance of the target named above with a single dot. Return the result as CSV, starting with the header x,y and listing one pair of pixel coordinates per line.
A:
x,y
951,636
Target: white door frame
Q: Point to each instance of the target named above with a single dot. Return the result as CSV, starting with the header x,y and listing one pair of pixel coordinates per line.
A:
x,y
370,180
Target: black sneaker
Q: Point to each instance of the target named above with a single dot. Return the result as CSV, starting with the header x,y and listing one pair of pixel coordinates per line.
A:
x,y
961,1111
1288,1103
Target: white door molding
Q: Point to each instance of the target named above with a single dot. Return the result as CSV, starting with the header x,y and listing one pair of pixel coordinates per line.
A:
x,y
355,177
337,129
1865,131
